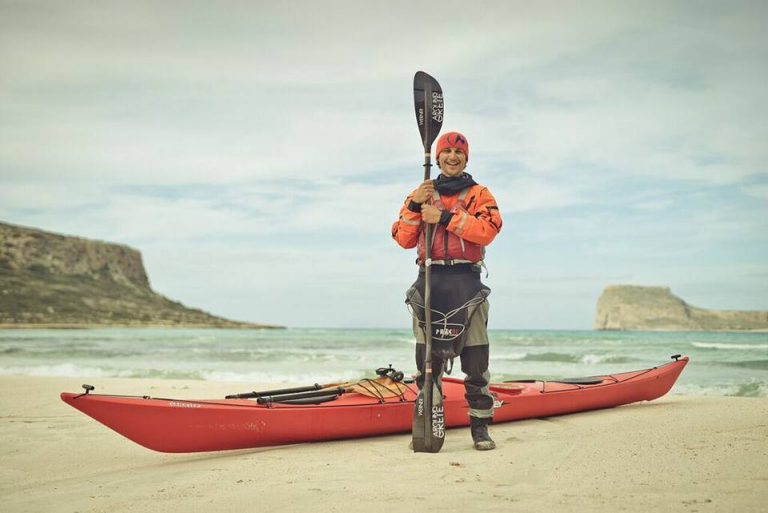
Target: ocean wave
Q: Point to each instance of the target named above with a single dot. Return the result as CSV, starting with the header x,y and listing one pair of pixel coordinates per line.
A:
x,y
552,357
591,359
61,370
588,359
751,364
514,357
754,389
748,389
259,355
293,376
740,347
44,353
161,374
71,370
279,377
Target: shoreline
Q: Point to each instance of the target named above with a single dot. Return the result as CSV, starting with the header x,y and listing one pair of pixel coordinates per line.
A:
x,y
677,453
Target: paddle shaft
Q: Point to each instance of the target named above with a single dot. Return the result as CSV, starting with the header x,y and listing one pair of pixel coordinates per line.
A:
x,y
428,378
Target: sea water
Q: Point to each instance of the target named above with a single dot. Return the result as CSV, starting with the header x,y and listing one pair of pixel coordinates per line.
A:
x,y
721,363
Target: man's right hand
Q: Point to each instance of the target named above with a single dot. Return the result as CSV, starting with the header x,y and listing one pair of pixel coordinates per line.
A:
x,y
424,192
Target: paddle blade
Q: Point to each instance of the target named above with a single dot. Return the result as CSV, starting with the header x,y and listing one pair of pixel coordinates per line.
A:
x,y
428,419
428,100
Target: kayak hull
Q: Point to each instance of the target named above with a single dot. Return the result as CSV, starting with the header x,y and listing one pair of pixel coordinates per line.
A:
x,y
181,426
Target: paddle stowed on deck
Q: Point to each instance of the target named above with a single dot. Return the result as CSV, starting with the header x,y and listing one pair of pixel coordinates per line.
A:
x,y
389,383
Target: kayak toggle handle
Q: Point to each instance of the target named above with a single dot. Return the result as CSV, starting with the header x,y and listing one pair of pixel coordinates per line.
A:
x,y
676,357
88,388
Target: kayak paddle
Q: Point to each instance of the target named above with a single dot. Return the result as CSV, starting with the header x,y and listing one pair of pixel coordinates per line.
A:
x,y
428,418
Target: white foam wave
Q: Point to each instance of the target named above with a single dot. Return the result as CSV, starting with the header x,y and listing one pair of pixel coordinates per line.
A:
x,y
71,370
743,347
591,359
66,370
278,377
733,389
510,357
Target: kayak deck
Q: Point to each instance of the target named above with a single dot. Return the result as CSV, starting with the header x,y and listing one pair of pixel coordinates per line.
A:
x,y
181,425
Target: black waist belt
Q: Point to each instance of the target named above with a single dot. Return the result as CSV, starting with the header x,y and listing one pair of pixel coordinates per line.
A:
x,y
453,269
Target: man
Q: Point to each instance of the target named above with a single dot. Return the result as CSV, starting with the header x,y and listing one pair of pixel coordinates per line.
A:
x,y
466,219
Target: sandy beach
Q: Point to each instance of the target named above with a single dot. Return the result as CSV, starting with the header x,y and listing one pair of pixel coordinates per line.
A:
x,y
679,453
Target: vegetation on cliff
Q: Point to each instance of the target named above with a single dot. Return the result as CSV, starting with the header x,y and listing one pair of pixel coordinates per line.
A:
x,y
48,279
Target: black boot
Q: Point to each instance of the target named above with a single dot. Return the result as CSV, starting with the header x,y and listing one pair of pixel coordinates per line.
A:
x,y
479,429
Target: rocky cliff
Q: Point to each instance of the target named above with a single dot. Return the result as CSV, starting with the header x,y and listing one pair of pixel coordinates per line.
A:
x,y
635,308
54,280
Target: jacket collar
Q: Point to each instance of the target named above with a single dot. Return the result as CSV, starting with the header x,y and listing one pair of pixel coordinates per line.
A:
x,y
447,186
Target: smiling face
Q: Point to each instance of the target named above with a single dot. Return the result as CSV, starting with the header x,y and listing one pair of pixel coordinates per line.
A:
x,y
452,162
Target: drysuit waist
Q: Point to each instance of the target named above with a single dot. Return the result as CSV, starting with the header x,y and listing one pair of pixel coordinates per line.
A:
x,y
452,268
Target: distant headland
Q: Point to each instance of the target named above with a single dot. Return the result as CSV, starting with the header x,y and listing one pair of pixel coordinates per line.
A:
x,y
48,280
636,308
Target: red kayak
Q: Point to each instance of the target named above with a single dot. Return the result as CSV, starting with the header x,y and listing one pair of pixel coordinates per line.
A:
x,y
293,416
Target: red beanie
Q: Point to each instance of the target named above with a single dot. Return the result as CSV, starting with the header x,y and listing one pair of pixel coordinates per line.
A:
x,y
453,140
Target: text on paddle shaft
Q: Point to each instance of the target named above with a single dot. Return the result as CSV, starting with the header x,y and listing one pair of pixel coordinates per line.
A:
x,y
437,106
438,418
438,422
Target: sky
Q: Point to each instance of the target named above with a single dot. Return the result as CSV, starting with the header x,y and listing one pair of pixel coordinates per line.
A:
x,y
257,153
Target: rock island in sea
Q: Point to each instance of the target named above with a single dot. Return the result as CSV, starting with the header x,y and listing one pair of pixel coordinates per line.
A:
x,y
49,280
637,308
